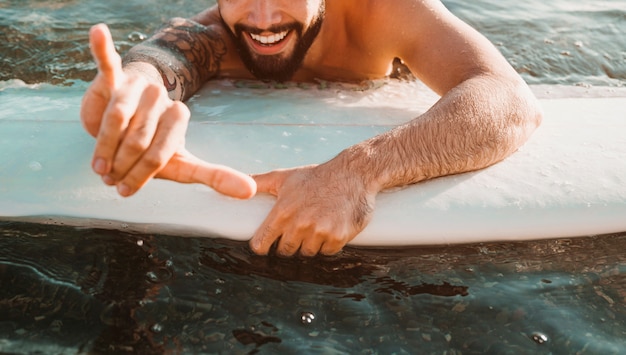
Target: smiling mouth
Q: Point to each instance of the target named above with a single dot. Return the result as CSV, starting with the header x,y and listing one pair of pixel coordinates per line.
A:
x,y
270,40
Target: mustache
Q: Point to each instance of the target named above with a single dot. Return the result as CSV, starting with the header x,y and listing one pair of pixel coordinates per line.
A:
x,y
239,28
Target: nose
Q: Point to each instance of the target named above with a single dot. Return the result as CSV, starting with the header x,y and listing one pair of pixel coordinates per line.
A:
x,y
264,14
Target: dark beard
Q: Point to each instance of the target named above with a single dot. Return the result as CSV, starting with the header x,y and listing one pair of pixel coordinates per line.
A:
x,y
274,67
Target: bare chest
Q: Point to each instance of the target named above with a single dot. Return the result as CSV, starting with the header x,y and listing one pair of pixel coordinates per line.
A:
x,y
345,64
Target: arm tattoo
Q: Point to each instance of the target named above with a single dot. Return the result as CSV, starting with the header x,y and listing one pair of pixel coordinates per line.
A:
x,y
186,53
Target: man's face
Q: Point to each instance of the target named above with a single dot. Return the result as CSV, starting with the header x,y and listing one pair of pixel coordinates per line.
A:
x,y
273,36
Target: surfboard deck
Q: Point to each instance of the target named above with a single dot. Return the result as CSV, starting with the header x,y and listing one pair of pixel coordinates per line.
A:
x,y
569,180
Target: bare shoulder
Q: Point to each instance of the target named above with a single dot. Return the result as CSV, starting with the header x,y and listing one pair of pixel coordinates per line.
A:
x,y
401,21
437,46
208,17
394,26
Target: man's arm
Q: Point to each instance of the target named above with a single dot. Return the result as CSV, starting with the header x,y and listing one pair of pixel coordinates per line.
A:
x,y
185,53
476,124
485,113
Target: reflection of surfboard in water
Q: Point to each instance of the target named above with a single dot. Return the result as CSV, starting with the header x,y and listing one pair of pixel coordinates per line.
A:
x,y
568,180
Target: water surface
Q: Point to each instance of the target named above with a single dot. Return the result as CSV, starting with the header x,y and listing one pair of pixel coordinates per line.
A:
x,y
68,290
548,42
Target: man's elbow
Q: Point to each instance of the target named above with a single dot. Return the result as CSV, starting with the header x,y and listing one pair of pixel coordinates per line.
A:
x,y
534,114
528,108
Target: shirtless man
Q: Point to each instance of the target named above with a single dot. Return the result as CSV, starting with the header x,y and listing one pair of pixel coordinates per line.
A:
x,y
134,109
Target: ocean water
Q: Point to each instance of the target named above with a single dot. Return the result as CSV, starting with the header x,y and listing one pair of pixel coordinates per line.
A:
x,y
548,42
66,290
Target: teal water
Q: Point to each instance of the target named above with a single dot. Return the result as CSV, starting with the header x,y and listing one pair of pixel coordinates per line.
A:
x,y
548,42
65,290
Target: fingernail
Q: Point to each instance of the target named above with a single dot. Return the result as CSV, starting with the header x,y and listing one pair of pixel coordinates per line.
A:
x,y
256,246
108,180
100,166
123,189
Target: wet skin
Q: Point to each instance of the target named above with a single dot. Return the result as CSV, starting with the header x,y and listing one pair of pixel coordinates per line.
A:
x,y
485,113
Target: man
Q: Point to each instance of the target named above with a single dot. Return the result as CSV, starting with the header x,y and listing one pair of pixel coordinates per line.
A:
x,y
485,113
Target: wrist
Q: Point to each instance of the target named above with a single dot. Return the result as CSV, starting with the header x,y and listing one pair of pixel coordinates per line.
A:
x,y
144,70
360,164
184,53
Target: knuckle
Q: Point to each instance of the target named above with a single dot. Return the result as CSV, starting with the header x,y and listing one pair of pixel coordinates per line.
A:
x,y
180,112
290,245
267,234
153,89
329,249
336,239
154,160
283,216
333,243
116,115
308,251
287,249
325,230
137,145
139,139
155,93
305,226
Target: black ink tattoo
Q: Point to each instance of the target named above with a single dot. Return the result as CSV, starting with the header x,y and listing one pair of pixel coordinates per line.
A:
x,y
186,53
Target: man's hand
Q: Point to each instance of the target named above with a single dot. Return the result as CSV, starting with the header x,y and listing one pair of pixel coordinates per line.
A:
x,y
318,210
140,131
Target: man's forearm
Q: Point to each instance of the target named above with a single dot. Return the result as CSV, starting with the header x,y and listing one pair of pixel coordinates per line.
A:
x,y
477,124
185,54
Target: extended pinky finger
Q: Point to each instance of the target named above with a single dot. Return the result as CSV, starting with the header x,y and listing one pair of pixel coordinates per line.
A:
x,y
186,168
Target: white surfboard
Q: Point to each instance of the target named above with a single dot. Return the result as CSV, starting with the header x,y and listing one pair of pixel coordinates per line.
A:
x,y
569,180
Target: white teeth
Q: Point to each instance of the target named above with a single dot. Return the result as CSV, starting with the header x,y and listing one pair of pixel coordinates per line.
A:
x,y
273,39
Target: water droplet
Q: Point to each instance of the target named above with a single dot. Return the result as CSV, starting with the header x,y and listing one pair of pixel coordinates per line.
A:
x,y
156,328
307,317
159,275
35,166
539,338
136,36
152,277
